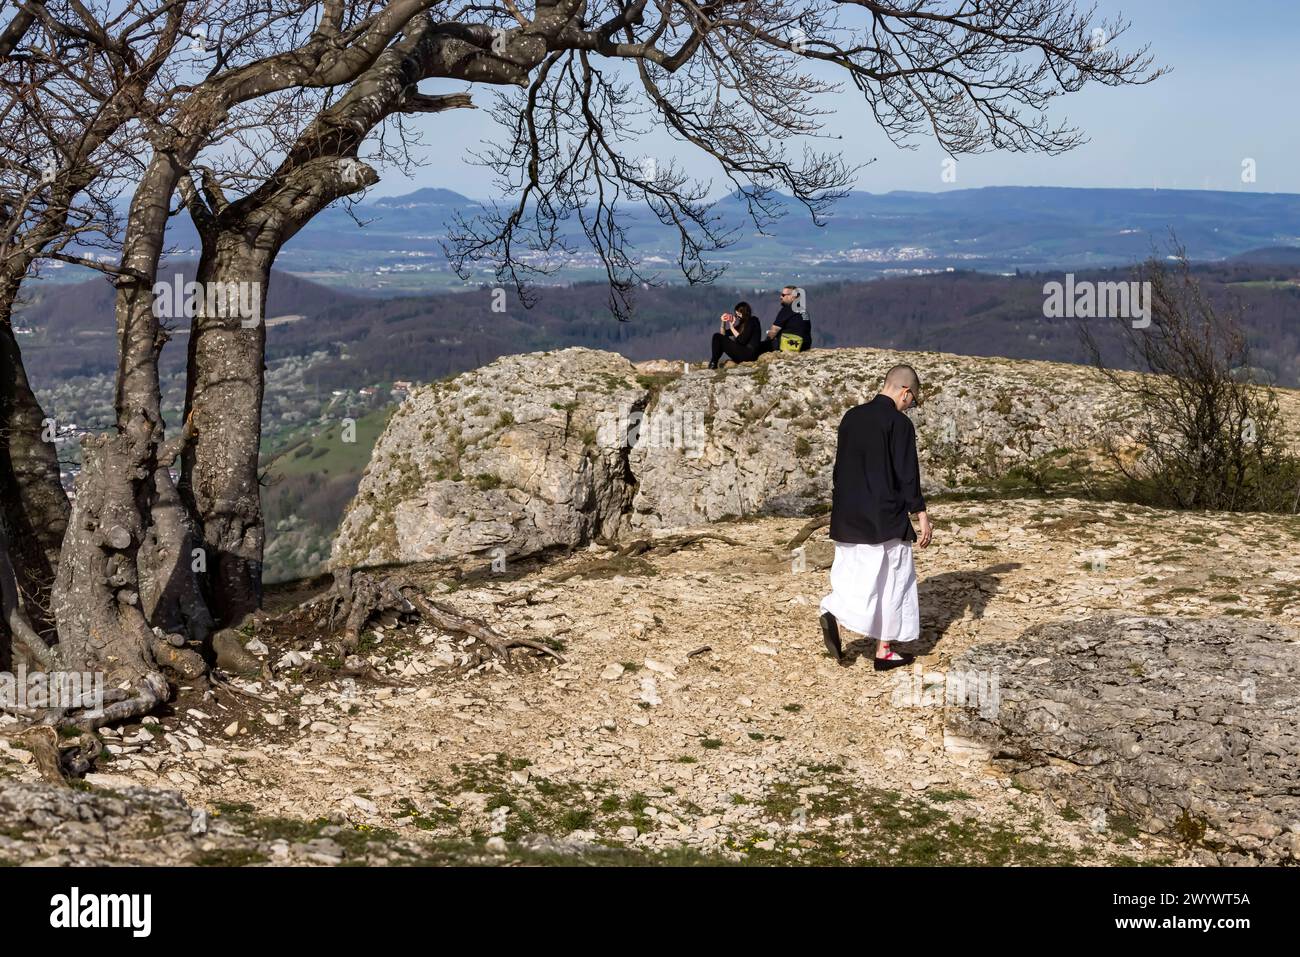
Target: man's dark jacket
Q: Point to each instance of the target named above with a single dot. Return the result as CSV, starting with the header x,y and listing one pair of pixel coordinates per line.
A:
x,y
787,320
877,475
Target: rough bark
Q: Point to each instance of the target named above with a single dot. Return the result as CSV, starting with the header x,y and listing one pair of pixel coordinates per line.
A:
x,y
173,599
223,398
34,505
97,602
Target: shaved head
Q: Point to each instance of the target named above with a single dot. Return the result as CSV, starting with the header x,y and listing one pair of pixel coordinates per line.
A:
x,y
903,377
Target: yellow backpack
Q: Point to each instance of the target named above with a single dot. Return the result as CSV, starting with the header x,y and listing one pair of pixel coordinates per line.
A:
x,y
790,342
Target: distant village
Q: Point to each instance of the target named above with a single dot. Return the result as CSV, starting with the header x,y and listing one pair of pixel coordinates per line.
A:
x,y
289,402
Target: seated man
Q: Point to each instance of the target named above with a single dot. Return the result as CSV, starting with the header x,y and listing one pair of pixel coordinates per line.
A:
x,y
739,337
791,329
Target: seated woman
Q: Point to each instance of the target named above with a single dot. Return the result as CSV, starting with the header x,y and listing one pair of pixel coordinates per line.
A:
x,y
739,338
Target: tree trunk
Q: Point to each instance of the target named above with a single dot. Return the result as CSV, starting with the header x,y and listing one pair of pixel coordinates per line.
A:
x,y
169,579
97,601
225,378
19,642
98,598
223,399
34,506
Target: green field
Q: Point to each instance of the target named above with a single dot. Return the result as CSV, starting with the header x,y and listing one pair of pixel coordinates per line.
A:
x,y
1268,284
325,453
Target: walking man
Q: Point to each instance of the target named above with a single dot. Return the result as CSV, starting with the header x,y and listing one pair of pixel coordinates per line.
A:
x,y
877,484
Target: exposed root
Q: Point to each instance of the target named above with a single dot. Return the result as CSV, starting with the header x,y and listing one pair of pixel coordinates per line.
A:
x,y
186,663
151,692
525,597
221,683
56,757
448,620
821,521
355,600
363,670
43,743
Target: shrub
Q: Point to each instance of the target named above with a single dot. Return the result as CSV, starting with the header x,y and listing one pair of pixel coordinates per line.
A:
x,y
1198,431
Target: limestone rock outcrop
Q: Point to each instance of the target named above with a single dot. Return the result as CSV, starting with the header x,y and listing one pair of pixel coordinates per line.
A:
x,y
499,461
1186,728
550,450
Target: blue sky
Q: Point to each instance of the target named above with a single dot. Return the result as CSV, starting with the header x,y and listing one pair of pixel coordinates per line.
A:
x,y
1234,94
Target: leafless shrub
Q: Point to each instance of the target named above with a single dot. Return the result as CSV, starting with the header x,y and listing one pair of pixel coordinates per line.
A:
x,y
1200,428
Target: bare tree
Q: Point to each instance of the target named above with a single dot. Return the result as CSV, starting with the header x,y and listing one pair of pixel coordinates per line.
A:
x,y
124,549
1199,429
240,239
73,79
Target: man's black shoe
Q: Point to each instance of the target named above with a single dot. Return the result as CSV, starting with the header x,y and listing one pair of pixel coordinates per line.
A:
x,y
831,635
888,664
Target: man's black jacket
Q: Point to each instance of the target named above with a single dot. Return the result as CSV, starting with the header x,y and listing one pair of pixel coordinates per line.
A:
x,y
787,320
877,475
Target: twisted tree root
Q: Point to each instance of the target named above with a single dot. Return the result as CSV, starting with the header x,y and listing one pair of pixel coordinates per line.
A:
x,y
356,599
57,758
448,620
805,533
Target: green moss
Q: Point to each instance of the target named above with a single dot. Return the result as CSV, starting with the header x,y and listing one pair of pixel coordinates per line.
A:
x,y
229,857
1190,828
873,826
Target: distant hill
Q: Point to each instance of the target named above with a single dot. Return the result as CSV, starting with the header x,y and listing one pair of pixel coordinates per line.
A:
x,y
72,328
423,199
421,338
399,245
1272,255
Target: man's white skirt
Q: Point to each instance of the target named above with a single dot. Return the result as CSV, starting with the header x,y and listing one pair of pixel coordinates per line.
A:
x,y
873,590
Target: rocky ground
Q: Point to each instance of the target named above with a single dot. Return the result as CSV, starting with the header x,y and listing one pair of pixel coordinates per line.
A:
x,y
695,716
